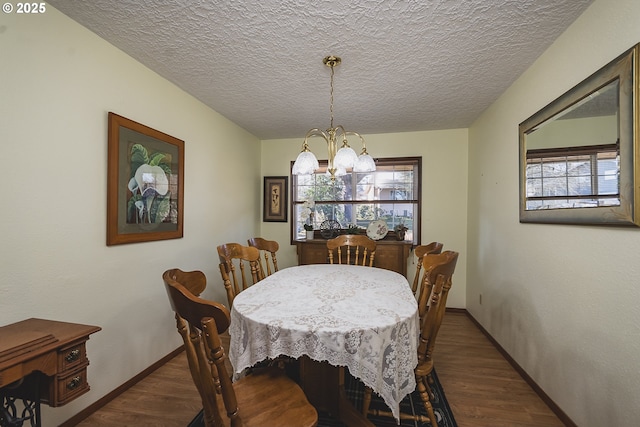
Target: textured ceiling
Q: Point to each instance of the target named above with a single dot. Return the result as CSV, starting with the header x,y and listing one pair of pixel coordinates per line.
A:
x,y
407,65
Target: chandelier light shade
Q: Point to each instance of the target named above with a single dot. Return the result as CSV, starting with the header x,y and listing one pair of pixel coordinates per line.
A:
x,y
340,159
306,163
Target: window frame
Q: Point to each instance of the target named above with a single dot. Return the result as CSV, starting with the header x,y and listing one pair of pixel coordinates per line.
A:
x,y
416,162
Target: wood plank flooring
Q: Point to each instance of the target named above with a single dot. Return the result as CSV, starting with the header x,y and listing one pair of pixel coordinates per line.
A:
x,y
482,388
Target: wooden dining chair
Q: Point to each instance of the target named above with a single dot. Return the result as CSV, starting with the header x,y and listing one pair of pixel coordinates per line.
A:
x,y
361,247
438,272
421,251
262,398
237,262
268,249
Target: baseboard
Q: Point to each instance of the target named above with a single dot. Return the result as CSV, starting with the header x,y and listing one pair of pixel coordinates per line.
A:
x,y
536,388
86,412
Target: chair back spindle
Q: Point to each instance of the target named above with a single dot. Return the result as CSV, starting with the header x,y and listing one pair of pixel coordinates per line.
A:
x,y
268,248
435,266
420,252
237,262
439,270
362,248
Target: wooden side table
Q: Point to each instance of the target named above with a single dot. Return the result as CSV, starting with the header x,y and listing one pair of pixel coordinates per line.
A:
x,y
41,361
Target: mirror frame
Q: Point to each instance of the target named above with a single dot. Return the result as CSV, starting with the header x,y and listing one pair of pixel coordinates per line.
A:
x,y
624,68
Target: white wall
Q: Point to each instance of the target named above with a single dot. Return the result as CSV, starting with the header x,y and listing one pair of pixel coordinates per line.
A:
x,y
444,190
561,299
57,83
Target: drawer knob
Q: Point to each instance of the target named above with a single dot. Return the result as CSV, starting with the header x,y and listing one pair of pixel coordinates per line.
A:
x,y
75,382
72,356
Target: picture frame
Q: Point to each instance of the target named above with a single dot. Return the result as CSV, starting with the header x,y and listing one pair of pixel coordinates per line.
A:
x,y
145,183
275,199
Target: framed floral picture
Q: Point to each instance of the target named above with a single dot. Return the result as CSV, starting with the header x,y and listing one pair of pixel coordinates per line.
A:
x,y
275,199
145,183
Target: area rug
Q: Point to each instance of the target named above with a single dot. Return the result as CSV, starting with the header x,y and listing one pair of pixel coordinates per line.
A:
x,y
410,404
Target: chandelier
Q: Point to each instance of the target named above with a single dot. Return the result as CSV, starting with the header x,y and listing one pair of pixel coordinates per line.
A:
x,y
339,159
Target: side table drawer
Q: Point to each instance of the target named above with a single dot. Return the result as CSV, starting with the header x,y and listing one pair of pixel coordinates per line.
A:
x,y
71,380
71,356
70,386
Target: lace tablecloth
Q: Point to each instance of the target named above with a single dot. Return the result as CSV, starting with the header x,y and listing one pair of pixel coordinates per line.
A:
x,y
363,318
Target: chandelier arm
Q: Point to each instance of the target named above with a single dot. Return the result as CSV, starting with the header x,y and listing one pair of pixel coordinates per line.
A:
x,y
364,145
330,138
311,133
315,132
327,138
343,133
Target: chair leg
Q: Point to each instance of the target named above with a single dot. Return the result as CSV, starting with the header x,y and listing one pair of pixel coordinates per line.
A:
x,y
366,401
422,386
424,391
427,383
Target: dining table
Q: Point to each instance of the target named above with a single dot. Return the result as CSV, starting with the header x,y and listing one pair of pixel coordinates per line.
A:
x,y
331,317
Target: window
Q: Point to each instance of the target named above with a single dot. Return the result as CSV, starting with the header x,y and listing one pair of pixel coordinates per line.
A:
x,y
391,193
573,177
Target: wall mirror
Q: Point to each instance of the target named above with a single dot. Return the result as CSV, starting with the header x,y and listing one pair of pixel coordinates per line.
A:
x,y
578,155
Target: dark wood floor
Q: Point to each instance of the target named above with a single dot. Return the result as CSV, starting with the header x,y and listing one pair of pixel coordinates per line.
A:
x,y
482,388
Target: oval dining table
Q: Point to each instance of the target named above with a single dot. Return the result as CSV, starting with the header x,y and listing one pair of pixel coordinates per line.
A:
x,y
332,316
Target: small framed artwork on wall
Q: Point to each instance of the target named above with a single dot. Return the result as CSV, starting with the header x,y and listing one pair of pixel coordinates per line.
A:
x,y
275,199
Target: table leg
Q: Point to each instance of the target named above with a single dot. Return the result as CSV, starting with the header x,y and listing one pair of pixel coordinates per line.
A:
x,y
11,415
323,385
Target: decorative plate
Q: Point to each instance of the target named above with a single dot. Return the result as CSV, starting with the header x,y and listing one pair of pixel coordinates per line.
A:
x,y
377,229
329,229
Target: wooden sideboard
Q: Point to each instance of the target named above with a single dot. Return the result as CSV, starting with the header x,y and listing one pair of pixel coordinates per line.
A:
x,y
390,254
42,361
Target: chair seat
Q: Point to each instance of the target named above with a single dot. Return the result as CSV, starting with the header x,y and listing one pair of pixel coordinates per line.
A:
x,y
259,400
